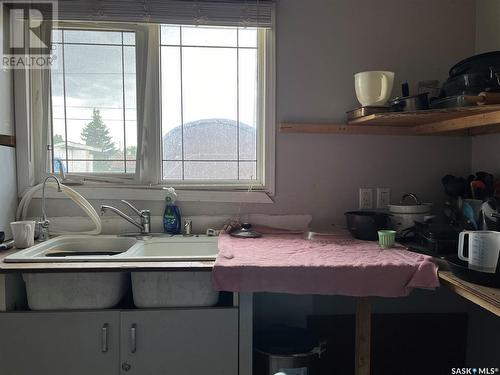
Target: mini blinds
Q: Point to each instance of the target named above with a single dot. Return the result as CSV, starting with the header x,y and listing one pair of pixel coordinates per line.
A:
x,y
243,13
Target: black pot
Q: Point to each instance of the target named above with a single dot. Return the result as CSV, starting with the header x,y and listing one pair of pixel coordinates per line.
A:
x,y
410,103
364,225
470,84
482,63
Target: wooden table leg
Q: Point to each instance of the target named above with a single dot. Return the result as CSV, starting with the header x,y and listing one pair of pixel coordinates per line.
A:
x,y
363,336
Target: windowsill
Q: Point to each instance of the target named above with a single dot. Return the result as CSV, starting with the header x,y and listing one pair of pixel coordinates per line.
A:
x,y
141,193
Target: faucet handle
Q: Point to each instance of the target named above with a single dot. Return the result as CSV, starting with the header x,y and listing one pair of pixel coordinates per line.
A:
x,y
132,207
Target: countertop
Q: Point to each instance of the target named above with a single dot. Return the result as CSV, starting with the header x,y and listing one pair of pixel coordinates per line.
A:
x,y
488,298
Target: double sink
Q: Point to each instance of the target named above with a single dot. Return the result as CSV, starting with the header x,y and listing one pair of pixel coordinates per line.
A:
x,y
103,289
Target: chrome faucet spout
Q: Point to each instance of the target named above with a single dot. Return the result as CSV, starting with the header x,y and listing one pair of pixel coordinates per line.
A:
x,y
144,215
43,234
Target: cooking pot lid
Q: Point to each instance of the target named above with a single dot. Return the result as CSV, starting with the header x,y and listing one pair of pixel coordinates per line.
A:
x,y
410,208
245,231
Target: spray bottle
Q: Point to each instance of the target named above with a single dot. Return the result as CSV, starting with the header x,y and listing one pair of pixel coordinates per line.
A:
x,y
172,213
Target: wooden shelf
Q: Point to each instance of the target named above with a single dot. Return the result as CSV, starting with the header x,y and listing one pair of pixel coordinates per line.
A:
x,y
487,298
474,120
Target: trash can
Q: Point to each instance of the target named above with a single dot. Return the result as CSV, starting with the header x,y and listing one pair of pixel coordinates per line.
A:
x,y
282,350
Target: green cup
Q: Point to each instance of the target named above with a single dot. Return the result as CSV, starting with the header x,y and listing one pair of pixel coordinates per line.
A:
x,y
386,238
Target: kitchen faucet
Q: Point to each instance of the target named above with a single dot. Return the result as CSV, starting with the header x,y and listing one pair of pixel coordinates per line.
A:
x,y
145,216
44,223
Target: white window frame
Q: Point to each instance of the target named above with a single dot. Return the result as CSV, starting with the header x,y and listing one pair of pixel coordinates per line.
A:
x,y
150,186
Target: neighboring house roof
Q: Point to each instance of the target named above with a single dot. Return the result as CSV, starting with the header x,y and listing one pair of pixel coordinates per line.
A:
x,y
210,139
76,146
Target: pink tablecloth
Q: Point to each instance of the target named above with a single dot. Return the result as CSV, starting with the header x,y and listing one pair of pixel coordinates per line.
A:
x,y
285,262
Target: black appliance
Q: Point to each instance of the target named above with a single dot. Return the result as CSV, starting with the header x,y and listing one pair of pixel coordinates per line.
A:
x,y
431,238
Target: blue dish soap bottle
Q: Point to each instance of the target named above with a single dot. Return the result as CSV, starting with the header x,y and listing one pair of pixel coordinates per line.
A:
x,y
172,213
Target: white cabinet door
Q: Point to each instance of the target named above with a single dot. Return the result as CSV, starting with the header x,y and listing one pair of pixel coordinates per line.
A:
x,y
59,343
180,342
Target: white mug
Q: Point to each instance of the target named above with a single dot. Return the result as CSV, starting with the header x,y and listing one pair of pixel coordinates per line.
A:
x,y
373,88
484,249
23,233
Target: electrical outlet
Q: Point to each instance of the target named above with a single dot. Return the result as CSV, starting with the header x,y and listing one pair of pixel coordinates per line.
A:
x,y
383,197
365,198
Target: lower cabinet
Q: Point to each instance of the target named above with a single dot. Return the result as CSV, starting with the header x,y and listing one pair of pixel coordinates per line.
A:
x,y
180,342
142,342
59,343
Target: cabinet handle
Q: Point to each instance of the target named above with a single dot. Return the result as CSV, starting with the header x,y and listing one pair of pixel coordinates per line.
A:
x,y
104,337
133,338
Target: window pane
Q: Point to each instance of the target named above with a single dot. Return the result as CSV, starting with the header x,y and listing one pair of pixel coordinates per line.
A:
x,y
248,104
170,34
92,37
209,36
130,166
172,170
211,170
248,170
210,103
84,59
247,38
94,96
129,38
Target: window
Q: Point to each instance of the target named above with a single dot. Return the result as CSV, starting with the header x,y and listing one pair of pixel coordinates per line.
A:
x,y
209,85
211,93
94,117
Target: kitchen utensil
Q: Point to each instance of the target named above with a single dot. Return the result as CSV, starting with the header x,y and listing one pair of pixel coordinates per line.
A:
x,y
452,102
489,218
366,111
432,237
483,250
470,84
461,269
386,238
478,189
6,245
364,225
475,205
285,350
409,103
245,231
477,63
470,215
483,98
322,236
23,233
373,88
455,186
404,214
431,86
